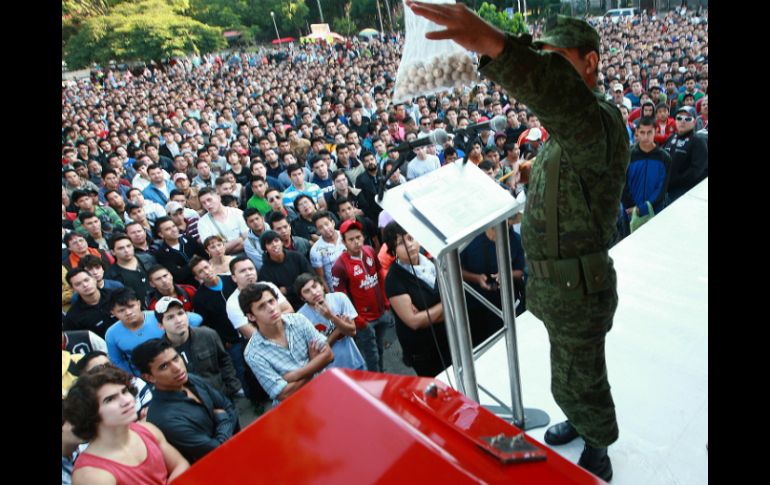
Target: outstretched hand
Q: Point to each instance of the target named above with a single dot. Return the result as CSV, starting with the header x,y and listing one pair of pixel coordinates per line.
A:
x,y
463,26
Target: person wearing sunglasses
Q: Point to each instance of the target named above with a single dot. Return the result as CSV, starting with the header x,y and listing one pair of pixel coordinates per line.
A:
x,y
689,154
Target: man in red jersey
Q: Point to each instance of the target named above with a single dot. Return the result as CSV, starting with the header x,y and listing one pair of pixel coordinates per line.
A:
x,y
355,274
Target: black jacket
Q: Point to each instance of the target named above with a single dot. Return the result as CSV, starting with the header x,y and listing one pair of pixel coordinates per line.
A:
x,y
212,306
284,274
206,357
176,260
97,318
193,429
689,161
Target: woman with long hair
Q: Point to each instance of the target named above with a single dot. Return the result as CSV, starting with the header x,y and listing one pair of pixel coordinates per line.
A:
x,y
100,406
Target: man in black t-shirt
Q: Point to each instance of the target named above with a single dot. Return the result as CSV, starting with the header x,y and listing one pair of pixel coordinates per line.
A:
x,y
92,310
281,267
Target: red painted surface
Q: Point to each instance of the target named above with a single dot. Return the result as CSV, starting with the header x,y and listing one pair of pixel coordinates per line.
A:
x,y
355,427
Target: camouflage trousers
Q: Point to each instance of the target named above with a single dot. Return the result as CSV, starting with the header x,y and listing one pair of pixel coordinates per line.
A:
x,y
577,324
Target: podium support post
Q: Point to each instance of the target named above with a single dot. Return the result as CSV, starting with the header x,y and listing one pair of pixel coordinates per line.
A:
x,y
461,325
503,244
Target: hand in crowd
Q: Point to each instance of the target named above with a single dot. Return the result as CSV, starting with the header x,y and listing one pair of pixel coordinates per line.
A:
x,y
322,308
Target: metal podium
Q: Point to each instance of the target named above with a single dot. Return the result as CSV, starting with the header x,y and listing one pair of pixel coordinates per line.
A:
x,y
444,210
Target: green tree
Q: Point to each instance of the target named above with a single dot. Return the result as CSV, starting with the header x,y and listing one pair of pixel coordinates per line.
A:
x,y
344,26
146,29
543,8
500,19
221,13
365,13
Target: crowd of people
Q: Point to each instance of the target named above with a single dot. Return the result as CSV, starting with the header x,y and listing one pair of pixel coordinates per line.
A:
x,y
221,238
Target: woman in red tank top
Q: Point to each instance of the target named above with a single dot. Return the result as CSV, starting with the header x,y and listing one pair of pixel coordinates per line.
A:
x,y
100,406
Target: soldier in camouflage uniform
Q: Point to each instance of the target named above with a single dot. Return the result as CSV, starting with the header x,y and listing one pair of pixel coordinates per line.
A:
x,y
573,197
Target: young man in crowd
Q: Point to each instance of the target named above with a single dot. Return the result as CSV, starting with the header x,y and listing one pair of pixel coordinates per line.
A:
x,y
282,266
130,268
111,221
201,348
92,310
648,173
257,226
160,188
332,314
211,302
300,186
93,227
355,274
163,284
194,417
286,351
244,273
176,250
689,155
327,249
133,327
226,221
280,224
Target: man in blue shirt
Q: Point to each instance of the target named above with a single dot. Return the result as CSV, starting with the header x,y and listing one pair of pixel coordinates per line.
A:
x,y
159,189
133,328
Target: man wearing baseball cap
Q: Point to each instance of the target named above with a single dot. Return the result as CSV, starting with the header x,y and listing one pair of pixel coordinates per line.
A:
x,y
689,154
572,205
201,348
182,184
355,274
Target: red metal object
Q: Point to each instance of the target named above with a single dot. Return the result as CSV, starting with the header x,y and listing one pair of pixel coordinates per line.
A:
x,y
365,427
283,39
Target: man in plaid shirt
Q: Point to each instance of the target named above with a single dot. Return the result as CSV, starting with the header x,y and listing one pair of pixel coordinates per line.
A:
x,y
286,351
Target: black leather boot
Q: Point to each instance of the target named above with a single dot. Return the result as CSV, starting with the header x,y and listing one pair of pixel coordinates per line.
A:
x,y
596,461
560,434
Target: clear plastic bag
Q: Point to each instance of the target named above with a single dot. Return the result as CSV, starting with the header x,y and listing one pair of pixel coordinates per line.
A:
x,y
430,66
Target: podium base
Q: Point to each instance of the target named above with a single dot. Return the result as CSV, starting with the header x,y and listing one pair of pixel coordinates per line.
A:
x,y
533,418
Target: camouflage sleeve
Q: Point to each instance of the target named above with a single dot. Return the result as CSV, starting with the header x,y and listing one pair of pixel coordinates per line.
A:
x,y
551,87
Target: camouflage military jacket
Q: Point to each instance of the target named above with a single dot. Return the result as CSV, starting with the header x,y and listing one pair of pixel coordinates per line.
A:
x,y
589,133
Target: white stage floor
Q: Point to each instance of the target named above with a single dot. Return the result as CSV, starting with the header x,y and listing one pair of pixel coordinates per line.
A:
x,y
657,352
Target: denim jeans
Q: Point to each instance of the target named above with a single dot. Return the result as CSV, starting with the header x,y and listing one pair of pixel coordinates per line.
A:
x,y
239,363
370,341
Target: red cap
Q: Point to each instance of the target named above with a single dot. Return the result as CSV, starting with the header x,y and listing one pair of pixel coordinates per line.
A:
x,y
351,224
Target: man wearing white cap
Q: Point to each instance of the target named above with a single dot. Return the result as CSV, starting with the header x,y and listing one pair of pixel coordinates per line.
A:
x,y
182,184
201,348
618,97
533,140
187,225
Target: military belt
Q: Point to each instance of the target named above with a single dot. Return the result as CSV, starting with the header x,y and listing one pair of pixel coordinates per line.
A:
x,y
590,269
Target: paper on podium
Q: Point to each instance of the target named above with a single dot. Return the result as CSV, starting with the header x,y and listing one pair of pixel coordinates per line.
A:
x,y
443,207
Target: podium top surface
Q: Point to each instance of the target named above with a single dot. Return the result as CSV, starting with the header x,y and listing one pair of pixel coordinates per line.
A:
x,y
449,206
365,427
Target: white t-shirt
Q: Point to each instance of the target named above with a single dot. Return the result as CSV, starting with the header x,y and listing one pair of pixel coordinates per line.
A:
x,y
231,228
338,303
419,167
234,312
324,254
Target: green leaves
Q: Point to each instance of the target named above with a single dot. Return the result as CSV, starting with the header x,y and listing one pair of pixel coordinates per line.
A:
x,y
500,19
345,26
147,29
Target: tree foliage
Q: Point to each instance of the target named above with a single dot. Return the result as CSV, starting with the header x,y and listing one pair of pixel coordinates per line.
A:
x,y
500,19
345,26
146,29
365,13
220,13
